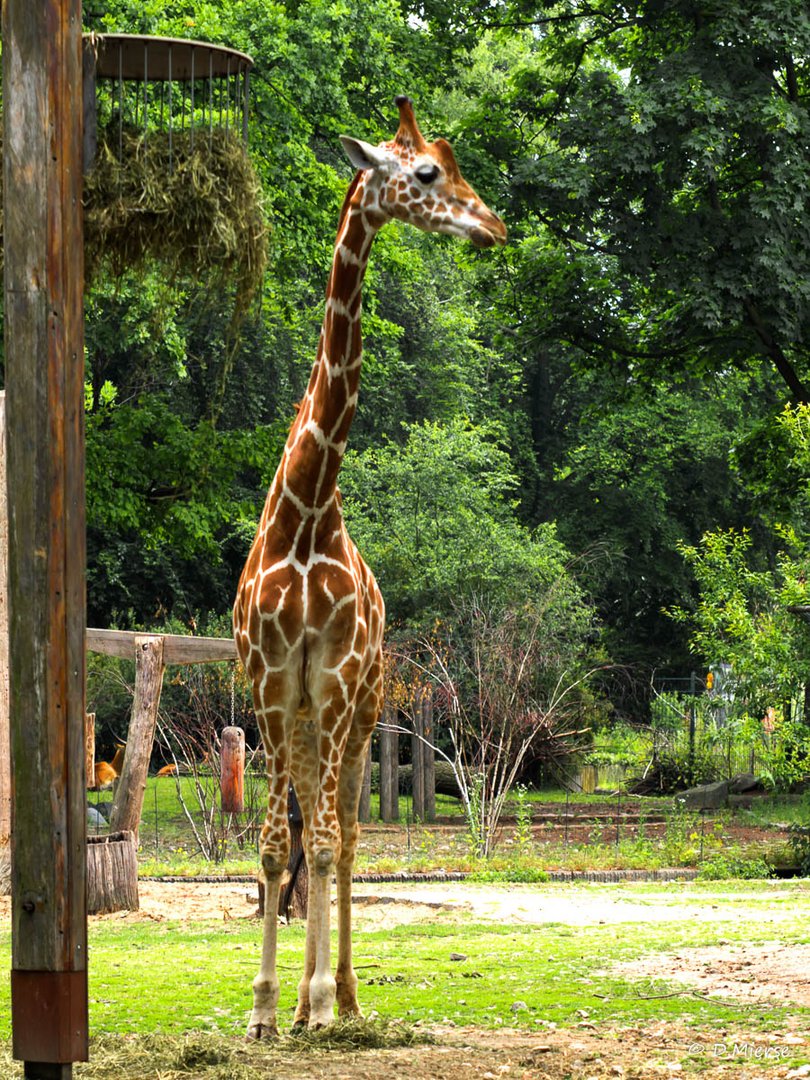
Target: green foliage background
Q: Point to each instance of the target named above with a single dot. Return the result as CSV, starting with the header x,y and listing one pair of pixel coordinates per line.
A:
x,y
583,405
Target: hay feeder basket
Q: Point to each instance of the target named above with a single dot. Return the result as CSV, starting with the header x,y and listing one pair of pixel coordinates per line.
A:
x,y
158,84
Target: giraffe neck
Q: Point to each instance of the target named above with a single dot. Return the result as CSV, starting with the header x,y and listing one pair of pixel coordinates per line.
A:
x,y
317,440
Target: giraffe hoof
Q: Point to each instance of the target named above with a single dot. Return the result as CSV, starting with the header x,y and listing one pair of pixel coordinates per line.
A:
x,y
258,1031
299,1027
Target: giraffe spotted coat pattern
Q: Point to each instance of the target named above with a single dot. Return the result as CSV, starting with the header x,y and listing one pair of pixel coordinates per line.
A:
x,y
308,615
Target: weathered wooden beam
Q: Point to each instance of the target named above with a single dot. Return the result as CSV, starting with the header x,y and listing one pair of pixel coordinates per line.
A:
x,y
44,358
177,648
125,815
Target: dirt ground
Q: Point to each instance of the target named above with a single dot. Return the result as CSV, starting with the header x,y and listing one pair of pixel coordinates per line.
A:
x,y
748,973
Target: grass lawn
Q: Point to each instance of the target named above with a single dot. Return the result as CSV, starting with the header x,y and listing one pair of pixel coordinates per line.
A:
x,y
168,979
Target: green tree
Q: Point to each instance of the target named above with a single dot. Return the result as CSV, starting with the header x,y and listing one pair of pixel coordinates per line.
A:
x,y
436,519
171,499
676,155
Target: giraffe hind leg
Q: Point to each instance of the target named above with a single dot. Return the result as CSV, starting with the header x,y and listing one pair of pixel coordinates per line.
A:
x,y
274,848
351,779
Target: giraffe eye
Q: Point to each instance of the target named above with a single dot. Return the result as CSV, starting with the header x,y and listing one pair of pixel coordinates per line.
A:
x,y
426,174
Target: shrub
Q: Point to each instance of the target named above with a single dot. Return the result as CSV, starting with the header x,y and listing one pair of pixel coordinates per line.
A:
x,y
800,843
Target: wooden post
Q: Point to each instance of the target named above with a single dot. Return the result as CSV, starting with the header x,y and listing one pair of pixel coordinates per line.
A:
x,y
125,815
232,771
44,355
428,757
364,812
90,748
418,758
5,735
393,763
389,768
385,773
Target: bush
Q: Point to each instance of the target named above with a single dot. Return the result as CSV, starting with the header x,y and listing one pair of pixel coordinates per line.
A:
x,y
800,843
722,867
676,769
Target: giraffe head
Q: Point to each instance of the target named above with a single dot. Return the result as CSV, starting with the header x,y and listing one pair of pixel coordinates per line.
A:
x,y
419,182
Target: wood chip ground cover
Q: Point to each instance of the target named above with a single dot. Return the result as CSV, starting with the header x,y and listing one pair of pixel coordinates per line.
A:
x,y
555,982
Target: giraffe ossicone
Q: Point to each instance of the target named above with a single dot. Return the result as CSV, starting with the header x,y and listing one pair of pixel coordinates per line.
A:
x,y
308,615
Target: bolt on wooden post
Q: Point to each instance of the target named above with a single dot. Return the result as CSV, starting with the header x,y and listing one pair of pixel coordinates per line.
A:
x,y
44,354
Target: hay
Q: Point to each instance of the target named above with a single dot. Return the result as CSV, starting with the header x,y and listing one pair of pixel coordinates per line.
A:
x,y
207,1056
195,212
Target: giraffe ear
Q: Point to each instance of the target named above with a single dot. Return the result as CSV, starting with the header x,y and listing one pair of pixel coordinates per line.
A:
x,y
365,156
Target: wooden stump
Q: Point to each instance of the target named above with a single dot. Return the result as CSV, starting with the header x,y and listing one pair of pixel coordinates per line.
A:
x,y
232,771
112,873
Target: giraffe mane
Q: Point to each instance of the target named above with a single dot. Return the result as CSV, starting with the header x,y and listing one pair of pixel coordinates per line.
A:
x,y
348,198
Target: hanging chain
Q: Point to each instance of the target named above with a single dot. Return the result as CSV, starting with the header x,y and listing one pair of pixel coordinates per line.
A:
x,y
233,693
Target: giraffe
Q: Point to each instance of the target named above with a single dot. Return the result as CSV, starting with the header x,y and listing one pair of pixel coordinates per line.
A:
x,y
308,615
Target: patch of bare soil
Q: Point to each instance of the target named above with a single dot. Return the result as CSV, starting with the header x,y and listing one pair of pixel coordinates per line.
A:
x,y
663,1050
744,972
636,1053
646,1053
392,904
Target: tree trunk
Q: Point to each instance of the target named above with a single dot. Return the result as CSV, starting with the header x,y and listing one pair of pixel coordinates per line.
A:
x,y
128,801
112,873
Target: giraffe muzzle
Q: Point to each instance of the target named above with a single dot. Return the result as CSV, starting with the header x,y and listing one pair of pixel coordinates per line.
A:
x,y
489,232
483,238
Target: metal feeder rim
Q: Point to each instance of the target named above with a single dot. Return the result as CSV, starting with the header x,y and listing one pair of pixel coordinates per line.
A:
x,y
161,59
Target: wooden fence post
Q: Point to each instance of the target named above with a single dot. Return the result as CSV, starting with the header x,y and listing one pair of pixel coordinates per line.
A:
x,y
44,358
364,813
125,815
5,734
385,774
232,771
418,758
389,767
90,749
428,758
